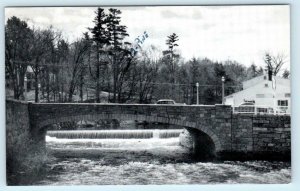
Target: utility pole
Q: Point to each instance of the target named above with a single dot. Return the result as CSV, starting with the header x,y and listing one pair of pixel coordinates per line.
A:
x,y
197,85
25,88
223,80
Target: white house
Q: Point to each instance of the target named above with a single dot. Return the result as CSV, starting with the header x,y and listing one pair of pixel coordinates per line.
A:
x,y
263,92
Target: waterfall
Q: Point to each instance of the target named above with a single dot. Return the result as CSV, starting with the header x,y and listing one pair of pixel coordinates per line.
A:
x,y
115,134
169,133
155,134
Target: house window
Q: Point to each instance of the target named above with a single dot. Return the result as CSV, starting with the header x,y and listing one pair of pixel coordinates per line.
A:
x,y
282,103
260,95
266,85
287,95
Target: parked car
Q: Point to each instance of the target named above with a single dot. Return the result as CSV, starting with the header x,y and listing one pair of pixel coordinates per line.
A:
x,y
250,107
248,104
166,101
246,107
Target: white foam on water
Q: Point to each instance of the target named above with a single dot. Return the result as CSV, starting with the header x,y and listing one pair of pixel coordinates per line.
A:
x,y
115,134
128,144
156,134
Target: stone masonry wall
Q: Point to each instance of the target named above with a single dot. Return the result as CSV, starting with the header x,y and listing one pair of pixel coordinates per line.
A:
x,y
261,133
25,151
223,125
17,124
242,138
17,134
272,133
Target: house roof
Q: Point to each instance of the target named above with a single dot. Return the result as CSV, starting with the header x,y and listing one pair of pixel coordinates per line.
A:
x,y
258,80
235,93
264,77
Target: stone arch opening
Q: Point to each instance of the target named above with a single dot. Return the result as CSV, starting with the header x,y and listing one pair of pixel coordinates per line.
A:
x,y
201,144
201,135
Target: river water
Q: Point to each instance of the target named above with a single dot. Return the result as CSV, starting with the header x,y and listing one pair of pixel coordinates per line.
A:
x,y
144,157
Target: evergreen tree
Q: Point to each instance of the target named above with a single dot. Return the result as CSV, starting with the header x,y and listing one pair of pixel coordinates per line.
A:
x,y
117,33
286,74
171,41
100,35
171,56
18,44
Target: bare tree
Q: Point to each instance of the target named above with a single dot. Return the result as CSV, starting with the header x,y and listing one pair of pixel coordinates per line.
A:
x,y
41,49
147,72
125,63
79,50
61,60
274,63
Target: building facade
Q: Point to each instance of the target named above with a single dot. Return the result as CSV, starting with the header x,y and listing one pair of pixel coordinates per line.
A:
x,y
264,94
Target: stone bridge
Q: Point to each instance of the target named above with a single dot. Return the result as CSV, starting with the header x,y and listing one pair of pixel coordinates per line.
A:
x,y
209,124
214,121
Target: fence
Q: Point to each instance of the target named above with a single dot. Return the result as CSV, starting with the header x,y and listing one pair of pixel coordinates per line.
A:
x,y
262,109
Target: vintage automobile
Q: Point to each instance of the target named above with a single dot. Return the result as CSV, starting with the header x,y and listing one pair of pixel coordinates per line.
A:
x,y
166,101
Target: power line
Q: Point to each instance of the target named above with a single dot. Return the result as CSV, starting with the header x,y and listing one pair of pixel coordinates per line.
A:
x,y
191,84
177,84
53,65
152,83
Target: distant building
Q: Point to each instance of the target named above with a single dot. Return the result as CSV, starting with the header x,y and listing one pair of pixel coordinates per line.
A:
x,y
272,93
30,78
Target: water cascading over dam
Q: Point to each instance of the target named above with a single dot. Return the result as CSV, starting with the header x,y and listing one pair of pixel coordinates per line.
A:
x,y
115,134
92,142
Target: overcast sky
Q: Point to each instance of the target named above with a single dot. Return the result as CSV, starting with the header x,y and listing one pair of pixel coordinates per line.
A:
x,y
241,33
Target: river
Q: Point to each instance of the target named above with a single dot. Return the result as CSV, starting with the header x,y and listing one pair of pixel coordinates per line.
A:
x,y
144,157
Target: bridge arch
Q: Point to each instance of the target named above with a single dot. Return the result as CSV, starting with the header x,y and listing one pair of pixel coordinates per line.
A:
x,y
149,118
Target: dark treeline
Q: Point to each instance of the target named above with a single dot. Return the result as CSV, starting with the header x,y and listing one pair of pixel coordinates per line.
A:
x,y
102,67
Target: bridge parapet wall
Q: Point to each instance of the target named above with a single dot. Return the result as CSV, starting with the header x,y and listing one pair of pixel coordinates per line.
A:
x,y
186,115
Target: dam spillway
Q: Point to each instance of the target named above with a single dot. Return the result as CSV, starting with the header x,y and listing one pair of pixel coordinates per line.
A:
x,y
115,134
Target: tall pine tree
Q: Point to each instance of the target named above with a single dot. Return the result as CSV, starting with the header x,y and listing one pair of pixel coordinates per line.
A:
x,y
101,37
170,54
117,33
